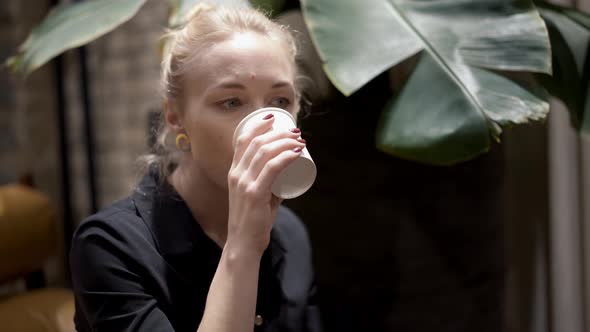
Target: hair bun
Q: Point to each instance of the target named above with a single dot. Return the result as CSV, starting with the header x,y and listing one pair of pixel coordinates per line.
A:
x,y
184,15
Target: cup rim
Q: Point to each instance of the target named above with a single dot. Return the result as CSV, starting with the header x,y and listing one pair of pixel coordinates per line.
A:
x,y
253,114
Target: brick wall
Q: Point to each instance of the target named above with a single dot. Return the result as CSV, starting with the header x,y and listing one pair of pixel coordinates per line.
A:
x,y
124,72
28,113
27,107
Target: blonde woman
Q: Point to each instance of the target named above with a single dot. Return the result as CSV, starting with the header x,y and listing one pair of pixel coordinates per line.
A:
x,y
202,244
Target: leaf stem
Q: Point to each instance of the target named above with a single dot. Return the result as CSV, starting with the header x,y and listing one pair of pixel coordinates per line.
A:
x,y
493,127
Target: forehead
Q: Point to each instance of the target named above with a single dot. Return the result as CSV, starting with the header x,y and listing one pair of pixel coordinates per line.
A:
x,y
244,55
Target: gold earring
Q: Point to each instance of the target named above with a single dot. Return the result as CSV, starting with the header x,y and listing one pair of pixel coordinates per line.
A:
x,y
182,142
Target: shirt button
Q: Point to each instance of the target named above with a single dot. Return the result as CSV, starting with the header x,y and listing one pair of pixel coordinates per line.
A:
x,y
258,320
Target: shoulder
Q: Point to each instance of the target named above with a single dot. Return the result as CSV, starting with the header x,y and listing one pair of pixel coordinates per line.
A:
x,y
292,231
116,228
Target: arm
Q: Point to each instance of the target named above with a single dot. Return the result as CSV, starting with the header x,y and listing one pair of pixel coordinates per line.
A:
x,y
231,301
260,155
109,294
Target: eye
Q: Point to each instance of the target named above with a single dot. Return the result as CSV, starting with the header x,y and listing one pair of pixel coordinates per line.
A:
x,y
231,103
281,102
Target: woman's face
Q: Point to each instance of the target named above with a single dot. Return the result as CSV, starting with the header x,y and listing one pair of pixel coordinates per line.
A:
x,y
232,79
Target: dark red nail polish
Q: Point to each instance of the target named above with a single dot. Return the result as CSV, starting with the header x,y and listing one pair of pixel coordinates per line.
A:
x,y
268,116
301,140
295,130
297,150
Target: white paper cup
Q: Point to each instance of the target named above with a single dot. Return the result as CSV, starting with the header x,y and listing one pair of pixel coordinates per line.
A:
x,y
299,176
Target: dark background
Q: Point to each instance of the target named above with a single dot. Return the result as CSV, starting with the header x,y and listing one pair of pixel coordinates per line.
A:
x,y
398,246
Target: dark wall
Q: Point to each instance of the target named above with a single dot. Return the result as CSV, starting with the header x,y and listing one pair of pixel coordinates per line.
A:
x,y
400,246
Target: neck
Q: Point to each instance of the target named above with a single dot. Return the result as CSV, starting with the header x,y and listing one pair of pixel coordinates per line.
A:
x,y
207,201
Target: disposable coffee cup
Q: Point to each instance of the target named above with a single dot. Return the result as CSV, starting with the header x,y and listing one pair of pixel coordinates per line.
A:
x,y
299,176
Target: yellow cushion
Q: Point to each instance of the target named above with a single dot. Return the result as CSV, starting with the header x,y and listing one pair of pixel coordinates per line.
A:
x,y
28,231
43,310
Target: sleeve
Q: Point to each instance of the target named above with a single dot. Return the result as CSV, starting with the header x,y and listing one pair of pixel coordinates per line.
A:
x,y
108,292
291,227
313,321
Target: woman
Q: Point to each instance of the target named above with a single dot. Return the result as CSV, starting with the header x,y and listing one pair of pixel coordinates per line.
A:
x,y
202,244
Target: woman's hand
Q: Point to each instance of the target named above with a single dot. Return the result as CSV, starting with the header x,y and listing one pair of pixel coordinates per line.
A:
x,y
259,156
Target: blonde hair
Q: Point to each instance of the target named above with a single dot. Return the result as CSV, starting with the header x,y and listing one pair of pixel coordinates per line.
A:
x,y
206,25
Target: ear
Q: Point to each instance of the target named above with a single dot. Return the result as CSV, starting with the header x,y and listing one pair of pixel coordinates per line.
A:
x,y
172,115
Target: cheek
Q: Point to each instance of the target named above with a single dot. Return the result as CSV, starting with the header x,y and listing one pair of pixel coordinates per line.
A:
x,y
212,146
211,135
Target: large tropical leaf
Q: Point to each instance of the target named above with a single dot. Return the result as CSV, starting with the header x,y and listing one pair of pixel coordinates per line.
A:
x,y
68,26
455,100
569,31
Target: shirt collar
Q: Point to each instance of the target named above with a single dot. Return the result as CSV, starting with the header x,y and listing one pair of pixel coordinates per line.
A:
x,y
181,241
172,224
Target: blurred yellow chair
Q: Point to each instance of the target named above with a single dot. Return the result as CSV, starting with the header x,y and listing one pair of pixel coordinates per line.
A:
x,y
27,238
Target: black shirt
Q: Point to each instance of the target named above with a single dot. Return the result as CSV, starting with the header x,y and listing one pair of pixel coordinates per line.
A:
x,y
145,264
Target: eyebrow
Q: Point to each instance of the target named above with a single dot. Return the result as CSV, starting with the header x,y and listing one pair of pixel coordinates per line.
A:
x,y
231,85
236,85
281,84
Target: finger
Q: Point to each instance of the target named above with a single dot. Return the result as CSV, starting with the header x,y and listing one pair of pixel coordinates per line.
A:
x,y
274,166
269,151
259,143
244,139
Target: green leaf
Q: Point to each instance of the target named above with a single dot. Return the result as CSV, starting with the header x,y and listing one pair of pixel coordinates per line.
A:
x,y
442,129
569,31
183,8
68,26
357,40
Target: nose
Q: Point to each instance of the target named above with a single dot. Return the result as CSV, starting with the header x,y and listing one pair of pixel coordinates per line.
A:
x,y
258,104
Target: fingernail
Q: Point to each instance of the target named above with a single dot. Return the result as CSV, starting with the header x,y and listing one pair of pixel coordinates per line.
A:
x,y
301,140
298,149
268,116
295,130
